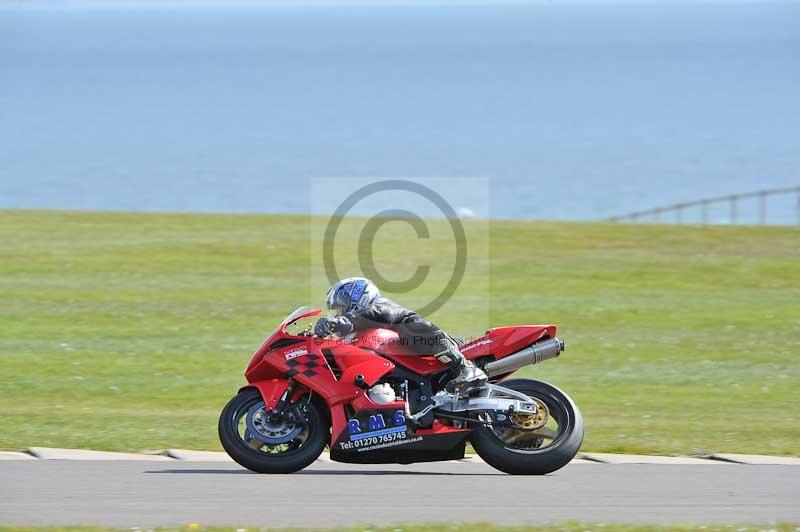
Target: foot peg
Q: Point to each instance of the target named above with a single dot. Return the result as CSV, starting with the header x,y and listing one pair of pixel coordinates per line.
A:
x,y
419,415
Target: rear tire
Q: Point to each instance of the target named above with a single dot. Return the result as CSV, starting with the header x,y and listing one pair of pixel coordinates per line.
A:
x,y
263,462
534,461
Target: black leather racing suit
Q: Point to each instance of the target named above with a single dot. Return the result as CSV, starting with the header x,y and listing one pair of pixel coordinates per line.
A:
x,y
415,332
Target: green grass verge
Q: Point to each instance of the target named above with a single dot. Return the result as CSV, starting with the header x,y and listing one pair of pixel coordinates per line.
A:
x,y
130,331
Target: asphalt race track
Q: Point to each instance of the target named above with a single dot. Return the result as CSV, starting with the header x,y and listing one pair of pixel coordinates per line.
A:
x,y
171,493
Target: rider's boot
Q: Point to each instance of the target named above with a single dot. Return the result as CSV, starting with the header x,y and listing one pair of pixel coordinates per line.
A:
x,y
468,377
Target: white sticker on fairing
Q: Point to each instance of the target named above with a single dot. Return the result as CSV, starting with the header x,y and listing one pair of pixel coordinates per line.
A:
x,y
294,353
476,344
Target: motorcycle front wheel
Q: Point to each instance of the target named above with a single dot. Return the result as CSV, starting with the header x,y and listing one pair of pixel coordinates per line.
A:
x,y
537,451
245,428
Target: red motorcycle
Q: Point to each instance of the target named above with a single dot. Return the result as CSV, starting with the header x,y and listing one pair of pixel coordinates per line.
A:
x,y
371,399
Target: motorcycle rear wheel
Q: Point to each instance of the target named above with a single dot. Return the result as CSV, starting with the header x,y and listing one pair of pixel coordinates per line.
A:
x,y
262,458
499,447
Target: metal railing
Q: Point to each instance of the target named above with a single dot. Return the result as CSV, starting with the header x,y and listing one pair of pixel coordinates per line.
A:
x,y
679,209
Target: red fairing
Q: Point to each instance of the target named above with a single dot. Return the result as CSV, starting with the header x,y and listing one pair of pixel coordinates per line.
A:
x,y
503,341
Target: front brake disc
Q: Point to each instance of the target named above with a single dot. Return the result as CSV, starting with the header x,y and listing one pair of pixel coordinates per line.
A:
x,y
261,428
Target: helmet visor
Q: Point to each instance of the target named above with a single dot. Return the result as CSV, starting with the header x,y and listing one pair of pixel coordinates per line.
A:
x,y
338,304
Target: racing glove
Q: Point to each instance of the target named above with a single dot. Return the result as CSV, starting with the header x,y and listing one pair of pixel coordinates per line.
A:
x,y
327,326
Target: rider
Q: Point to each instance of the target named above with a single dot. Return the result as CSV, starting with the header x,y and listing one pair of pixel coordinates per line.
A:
x,y
357,304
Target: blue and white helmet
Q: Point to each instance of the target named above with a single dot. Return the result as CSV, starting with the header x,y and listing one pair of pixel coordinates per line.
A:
x,y
351,294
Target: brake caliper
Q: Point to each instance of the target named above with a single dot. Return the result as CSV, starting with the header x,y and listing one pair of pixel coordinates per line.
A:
x,y
531,417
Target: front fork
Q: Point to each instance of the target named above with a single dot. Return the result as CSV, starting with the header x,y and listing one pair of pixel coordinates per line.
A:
x,y
279,410
278,395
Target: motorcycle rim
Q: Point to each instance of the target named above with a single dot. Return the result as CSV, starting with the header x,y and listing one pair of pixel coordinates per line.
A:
x,y
248,430
541,439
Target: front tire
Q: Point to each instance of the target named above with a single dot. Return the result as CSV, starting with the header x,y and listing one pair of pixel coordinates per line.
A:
x,y
249,452
495,446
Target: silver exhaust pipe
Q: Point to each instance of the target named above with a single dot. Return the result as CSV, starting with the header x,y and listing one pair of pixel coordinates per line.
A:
x,y
533,354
